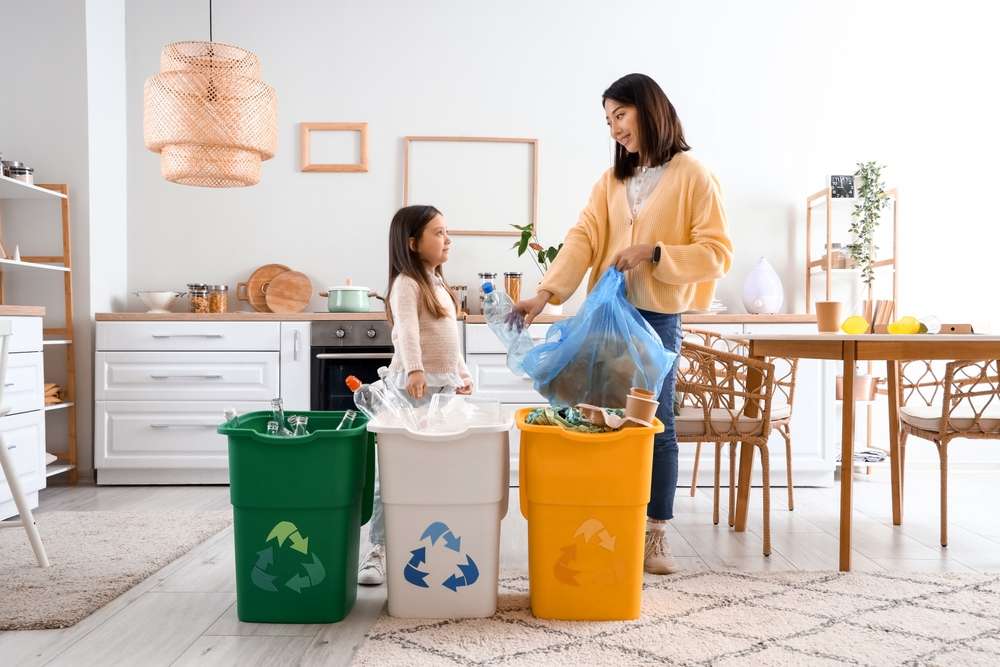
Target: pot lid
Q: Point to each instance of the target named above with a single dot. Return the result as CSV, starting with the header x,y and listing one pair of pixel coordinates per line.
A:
x,y
339,288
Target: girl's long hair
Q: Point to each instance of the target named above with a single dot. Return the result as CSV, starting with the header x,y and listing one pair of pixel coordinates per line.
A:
x,y
409,223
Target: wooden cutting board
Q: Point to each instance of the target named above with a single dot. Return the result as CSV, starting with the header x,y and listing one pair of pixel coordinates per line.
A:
x,y
288,292
252,291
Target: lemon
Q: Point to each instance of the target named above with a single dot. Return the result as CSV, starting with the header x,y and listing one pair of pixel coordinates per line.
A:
x,y
904,325
855,324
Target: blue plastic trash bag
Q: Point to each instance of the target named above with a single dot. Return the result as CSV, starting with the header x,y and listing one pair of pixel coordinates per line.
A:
x,y
596,356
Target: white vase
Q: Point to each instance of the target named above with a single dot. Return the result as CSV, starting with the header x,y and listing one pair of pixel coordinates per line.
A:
x,y
552,309
762,290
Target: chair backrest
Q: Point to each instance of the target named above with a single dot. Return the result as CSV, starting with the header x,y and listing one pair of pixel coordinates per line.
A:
x,y
785,368
921,380
717,380
971,404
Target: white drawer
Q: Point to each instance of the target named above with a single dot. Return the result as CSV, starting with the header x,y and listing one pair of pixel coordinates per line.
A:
x,y
24,388
493,380
26,334
24,435
192,336
480,340
171,434
207,376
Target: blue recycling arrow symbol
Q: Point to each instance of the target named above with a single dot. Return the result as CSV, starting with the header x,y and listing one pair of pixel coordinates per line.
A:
x,y
439,530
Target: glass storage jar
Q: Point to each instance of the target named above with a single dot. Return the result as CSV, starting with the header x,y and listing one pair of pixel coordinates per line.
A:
x,y
218,298
199,297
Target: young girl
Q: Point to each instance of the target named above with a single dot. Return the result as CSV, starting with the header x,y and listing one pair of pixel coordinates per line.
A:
x,y
422,310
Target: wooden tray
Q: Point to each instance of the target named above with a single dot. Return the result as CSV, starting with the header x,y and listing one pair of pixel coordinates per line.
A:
x,y
252,291
288,292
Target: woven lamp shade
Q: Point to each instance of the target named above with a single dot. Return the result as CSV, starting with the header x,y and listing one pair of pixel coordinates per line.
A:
x,y
209,115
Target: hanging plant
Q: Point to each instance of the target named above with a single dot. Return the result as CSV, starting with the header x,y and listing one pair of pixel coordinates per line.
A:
x,y
865,217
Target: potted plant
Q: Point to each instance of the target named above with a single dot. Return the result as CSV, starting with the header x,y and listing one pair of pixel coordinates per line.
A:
x,y
540,255
865,218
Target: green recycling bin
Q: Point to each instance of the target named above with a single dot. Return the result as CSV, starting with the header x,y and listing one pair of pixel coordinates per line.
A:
x,y
298,507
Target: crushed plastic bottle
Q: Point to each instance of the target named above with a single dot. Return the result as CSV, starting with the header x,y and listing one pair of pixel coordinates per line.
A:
x,y
272,427
497,307
377,402
298,424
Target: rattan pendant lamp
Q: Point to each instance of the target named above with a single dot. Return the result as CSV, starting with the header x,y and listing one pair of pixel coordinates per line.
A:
x,y
209,115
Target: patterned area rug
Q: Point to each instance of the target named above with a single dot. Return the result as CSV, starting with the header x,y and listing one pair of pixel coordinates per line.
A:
x,y
95,556
726,618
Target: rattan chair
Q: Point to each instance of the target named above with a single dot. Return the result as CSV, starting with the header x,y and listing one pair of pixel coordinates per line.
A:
x,y
714,404
969,407
785,371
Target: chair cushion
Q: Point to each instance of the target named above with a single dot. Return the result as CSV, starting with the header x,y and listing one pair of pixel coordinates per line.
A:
x,y
691,420
928,417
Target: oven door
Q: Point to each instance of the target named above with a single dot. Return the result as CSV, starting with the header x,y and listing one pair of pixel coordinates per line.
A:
x,y
332,365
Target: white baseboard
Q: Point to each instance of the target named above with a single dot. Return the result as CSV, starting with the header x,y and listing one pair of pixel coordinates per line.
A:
x,y
139,476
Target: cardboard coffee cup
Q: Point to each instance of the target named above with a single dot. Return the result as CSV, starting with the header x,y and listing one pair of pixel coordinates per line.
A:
x,y
642,393
828,316
643,409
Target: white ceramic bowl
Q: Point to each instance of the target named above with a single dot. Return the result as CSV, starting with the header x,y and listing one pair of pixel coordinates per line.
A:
x,y
158,302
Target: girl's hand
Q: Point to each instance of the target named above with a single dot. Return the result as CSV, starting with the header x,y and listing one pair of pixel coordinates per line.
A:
x,y
466,390
416,384
528,309
632,257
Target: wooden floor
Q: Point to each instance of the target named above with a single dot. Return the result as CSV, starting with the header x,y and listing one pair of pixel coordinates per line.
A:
x,y
185,614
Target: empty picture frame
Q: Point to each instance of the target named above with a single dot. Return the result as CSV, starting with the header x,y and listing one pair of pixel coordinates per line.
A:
x,y
305,137
483,185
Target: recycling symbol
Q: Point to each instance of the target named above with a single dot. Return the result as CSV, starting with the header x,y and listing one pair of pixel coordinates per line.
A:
x,y
313,572
590,558
449,542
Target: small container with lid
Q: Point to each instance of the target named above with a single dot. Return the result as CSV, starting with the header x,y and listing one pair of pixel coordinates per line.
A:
x,y
19,171
462,295
486,277
199,297
218,298
512,285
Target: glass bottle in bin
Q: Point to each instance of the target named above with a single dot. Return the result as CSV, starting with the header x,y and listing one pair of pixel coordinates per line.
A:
x,y
278,411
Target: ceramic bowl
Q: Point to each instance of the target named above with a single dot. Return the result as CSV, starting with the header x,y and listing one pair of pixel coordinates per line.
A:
x,y
158,301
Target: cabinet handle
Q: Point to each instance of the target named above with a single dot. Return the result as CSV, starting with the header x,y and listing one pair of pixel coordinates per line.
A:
x,y
8,384
356,355
295,346
182,425
189,335
187,377
11,446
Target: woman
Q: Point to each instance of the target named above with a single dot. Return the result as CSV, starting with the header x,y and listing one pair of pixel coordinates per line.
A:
x,y
657,215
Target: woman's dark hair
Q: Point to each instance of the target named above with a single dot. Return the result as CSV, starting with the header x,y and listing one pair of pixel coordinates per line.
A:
x,y
409,223
661,136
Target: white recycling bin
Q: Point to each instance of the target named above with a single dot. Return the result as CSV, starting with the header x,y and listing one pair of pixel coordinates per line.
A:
x,y
444,495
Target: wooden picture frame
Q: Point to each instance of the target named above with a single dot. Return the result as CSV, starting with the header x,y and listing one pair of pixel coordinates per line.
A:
x,y
532,216
305,131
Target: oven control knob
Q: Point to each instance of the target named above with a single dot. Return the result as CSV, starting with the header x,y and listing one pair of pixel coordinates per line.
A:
x,y
339,333
371,333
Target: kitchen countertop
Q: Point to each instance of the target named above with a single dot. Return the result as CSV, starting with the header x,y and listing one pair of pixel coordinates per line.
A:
x,y
248,316
24,311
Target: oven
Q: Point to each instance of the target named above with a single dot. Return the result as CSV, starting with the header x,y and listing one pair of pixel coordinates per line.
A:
x,y
342,348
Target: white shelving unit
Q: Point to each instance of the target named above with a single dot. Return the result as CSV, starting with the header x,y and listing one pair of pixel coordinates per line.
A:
x,y
23,269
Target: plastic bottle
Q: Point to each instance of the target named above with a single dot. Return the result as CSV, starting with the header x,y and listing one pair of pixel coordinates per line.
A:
x,y
279,416
376,402
497,308
347,421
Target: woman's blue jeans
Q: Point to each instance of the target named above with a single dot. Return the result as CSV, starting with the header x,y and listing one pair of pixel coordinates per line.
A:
x,y
661,495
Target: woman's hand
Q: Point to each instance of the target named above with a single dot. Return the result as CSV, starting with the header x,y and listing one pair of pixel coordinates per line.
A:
x,y
416,384
528,309
629,258
466,390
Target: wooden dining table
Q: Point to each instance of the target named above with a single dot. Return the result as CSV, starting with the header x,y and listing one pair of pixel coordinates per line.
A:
x,y
850,349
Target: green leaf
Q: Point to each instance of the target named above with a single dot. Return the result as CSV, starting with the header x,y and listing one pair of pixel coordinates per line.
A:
x,y
522,245
551,254
541,257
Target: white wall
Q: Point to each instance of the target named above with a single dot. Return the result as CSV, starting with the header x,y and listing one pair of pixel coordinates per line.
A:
x,y
43,122
774,97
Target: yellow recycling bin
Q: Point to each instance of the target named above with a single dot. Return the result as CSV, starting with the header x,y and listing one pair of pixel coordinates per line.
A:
x,y
584,496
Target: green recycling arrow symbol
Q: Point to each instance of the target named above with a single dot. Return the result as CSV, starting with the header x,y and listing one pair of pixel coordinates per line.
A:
x,y
314,574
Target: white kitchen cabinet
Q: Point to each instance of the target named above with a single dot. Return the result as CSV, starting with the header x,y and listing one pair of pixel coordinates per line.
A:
x,y
295,365
161,389
23,427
